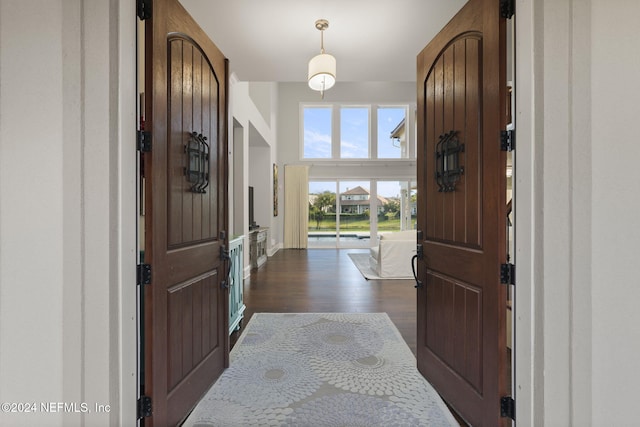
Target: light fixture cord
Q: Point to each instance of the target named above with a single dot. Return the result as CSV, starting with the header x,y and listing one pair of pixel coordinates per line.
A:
x,y
322,51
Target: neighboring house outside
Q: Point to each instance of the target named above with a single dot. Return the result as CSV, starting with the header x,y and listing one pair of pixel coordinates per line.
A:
x,y
399,134
357,201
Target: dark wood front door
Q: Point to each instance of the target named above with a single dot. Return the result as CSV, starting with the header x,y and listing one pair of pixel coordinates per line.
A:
x,y
185,306
461,185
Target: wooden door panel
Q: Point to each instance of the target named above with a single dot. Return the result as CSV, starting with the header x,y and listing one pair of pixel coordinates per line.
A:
x,y
466,264
454,326
453,101
446,104
196,102
461,326
186,334
193,107
191,335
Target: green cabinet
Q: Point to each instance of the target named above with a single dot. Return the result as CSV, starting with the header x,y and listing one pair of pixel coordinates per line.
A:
x,y
236,283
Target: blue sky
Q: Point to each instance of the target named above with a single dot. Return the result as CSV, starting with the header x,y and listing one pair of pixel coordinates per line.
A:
x,y
354,133
317,133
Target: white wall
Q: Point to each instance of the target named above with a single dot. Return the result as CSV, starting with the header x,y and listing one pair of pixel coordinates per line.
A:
x,y
261,96
577,212
254,151
237,193
260,167
615,91
67,217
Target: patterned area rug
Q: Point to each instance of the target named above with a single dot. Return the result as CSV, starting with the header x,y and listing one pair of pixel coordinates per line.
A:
x,y
321,369
361,261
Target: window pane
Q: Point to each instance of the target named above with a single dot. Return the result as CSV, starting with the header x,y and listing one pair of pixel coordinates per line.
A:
x,y
392,139
354,133
354,220
397,205
317,133
322,214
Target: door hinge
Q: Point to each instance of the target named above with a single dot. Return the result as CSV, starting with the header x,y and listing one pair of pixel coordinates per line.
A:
x,y
507,8
508,407
144,274
508,274
507,140
224,253
144,9
144,141
145,409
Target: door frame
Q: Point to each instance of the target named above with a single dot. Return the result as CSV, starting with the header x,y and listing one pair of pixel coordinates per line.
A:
x,y
124,391
528,369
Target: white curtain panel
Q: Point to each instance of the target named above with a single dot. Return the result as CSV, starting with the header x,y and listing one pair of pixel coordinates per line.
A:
x,y
296,206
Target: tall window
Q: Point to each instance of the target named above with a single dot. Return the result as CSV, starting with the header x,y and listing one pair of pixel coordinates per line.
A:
x,y
355,132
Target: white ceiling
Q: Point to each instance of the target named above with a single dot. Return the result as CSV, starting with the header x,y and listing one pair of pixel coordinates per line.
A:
x,y
273,40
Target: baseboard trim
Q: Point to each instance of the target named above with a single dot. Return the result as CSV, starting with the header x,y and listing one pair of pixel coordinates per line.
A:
x,y
273,249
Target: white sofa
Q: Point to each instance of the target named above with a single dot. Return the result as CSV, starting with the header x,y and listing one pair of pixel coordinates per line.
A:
x,y
392,256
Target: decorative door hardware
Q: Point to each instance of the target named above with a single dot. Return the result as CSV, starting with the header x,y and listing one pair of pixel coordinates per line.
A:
x,y
197,170
224,256
418,256
448,169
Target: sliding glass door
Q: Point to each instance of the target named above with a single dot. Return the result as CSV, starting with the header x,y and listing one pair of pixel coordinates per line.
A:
x,y
350,214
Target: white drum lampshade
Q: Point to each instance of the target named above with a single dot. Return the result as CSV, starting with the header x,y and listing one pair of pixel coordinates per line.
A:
x,y
322,72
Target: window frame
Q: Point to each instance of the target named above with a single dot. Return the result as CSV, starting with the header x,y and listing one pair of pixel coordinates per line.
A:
x,y
303,133
373,137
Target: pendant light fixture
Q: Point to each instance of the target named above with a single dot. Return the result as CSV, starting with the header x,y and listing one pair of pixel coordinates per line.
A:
x,y
322,67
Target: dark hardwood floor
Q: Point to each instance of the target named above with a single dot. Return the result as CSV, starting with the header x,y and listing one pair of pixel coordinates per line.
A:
x,y
325,280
